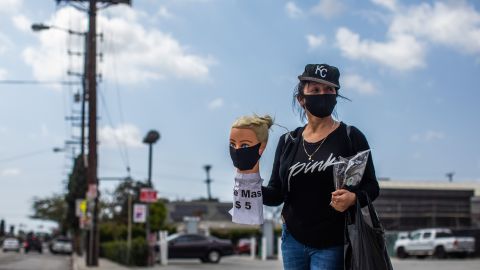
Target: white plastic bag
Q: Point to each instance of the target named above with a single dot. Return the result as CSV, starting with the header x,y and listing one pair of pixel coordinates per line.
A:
x,y
348,172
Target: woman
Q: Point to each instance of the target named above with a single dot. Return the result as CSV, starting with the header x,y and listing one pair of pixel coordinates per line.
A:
x,y
302,176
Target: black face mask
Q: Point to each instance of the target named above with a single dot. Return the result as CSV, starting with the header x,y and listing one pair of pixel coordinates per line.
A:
x,y
245,158
320,105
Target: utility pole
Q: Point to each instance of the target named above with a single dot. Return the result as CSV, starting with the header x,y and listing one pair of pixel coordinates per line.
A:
x,y
93,251
208,181
84,100
91,83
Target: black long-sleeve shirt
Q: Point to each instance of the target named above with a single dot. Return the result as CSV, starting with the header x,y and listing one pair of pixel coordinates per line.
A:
x,y
305,186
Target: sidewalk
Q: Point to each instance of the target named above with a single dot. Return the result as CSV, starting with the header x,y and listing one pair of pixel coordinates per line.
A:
x,y
230,262
78,263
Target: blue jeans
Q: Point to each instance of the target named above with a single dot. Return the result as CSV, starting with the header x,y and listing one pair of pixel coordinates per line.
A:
x,y
297,256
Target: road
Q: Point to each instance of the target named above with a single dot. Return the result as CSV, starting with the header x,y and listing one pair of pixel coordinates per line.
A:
x,y
433,264
33,261
244,263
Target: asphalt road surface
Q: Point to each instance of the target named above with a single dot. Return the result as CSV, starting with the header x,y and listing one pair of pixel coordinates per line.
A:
x,y
33,261
244,263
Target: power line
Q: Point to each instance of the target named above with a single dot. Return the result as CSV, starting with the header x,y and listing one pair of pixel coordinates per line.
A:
x,y
26,155
117,88
117,141
37,82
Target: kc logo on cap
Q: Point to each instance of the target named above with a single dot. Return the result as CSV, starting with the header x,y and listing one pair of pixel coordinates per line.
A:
x,y
321,70
321,73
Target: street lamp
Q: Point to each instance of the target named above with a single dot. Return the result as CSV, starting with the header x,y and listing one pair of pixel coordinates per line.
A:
x,y
208,181
37,27
152,137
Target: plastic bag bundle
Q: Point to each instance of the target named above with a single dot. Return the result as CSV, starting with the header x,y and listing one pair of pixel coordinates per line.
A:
x,y
348,172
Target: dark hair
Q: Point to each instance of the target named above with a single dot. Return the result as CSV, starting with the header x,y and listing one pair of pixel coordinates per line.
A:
x,y
298,93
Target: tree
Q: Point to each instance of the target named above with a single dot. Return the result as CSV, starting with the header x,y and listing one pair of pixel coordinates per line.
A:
x,y
51,208
157,216
76,189
158,210
119,206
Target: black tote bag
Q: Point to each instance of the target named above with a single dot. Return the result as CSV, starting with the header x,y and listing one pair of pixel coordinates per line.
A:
x,y
365,240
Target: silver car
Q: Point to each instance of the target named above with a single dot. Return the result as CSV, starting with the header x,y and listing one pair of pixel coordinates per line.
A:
x,y
11,244
61,245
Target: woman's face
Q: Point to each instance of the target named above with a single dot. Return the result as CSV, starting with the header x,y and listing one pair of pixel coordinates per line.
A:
x,y
315,88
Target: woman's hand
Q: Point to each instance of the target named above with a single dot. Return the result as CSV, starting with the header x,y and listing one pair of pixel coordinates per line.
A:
x,y
342,199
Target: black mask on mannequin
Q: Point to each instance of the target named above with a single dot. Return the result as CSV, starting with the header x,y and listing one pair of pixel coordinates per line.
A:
x,y
245,158
320,105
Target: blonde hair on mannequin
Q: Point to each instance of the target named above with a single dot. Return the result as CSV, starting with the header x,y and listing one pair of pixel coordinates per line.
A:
x,y
258,124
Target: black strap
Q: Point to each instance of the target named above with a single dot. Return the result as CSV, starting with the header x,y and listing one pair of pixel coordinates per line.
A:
x,y
371,209
350,144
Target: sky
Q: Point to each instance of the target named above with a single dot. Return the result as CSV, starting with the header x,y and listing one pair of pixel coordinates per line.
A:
x,y
189,68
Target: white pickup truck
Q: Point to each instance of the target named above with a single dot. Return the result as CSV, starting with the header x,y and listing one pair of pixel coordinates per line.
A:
x,y
433,242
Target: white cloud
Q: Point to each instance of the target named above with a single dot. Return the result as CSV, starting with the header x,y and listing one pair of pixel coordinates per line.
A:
x,y
8,6
10,172
315,41
428,136
53,45
126,134
22,23
133,53
293,11
359,84
3,74
388,4
328,8
216,104
412,29
450,24
399,52
163,12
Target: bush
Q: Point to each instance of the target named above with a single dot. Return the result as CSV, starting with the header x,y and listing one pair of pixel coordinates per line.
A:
x,y
235,234
111,231
117,251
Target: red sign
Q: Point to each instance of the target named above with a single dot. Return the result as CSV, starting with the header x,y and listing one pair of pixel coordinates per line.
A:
x,y
148,195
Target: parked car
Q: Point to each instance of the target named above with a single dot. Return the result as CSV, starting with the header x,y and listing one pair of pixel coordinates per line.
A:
x,y
62,245
243,246
32,243
195,246
434,242
11,244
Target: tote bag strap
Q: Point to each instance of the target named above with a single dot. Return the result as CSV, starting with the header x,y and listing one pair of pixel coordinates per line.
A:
x,y
373,214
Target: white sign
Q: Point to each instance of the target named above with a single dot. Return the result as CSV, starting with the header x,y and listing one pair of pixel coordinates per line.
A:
x,y
92,191
139,213
247,199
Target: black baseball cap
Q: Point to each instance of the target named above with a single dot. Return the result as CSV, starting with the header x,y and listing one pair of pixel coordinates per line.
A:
x,y
321,73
